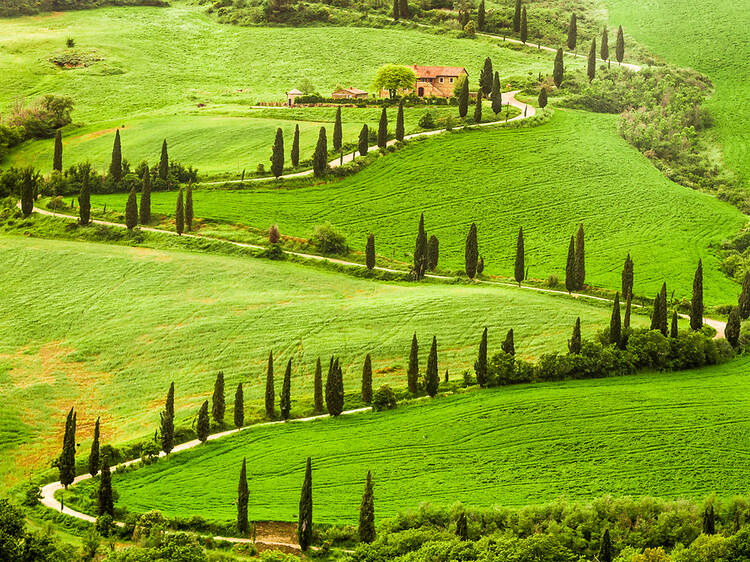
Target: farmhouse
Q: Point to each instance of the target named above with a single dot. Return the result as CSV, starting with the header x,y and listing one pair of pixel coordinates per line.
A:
x,y
348,93
292,95
437,81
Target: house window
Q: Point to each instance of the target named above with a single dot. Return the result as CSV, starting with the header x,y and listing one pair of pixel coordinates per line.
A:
x,y
451,80
441,79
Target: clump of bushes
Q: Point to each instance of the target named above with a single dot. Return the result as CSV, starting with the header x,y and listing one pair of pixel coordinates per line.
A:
x,y
384,399
327,240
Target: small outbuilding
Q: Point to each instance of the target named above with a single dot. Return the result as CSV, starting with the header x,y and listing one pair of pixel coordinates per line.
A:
x,y
349,94
292,95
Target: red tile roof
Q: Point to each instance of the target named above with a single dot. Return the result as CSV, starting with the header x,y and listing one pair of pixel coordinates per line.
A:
x,y
435,71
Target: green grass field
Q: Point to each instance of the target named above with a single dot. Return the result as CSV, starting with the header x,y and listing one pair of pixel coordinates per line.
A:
x,y
107,328
714,45
680,435
546,179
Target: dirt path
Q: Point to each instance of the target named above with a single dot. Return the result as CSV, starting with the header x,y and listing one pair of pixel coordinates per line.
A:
x,y
509,98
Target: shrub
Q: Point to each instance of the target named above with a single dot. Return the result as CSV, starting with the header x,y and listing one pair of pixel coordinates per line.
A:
x,y
384,399
329,241
273,234
105,525
427,121
32,495
553,281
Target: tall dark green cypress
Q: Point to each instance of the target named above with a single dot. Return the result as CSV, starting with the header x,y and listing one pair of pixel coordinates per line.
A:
x,y
432,379
663,313
620,46
524,26
627,278
732,329
277,154
572,33
106,499
743,301
131,210
520,268
318,387
179,214
337,131
304,521
605,551
370,252
709,521
270,392
239,406
396,15
480,365
367,513
580,258
145,210
433,252
167,422
471,254
481,16
363,142
570,267
542,99
508,346
400,121
189,207
626,320
463,99
27,192
294,155
656,314
367,380
383,129
517,17
115,166
335,390
696,304
164,161
285,403
67,460
574,344
320,156
615,326
218,403
84,198
496,96
412,372
57,158
604,49
558,73
674,330
485,79
203,425
591,66
478,109
243,498
420,250
462,527
94,454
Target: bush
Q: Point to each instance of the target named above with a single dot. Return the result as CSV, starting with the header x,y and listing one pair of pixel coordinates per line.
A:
x,y
384,399
329,241
32,495
427,121
105,525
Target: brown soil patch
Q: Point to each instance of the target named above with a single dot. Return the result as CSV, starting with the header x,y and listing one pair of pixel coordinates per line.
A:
x,y
96,134
150,253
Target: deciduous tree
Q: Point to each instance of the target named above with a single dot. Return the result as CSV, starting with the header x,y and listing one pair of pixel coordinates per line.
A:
x,y
145,210
277,154
270,392
480,365
294,155
320,156
131,210
471,254
57,158
383,129
367,380
203,426
558,72
337,132
696,304
572,33
218,404
167,422
412,372
239,406
367,513
115,165
179,215
304,521
243,498
432,379
574,343
94,454
285,403
394,77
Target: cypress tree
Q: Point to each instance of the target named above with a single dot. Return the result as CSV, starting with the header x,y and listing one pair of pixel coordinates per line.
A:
x,y
202,427
318,387
179,215
478,108
591,67
471,255
383,129
496,96
189,207
463,99
412,373
509,345
270,393
433,252
480,365
462,527
432,379
574,344
320,156
663,310
604,50
517,17
480,265
542,99
403,9
480,16
559,70
674,331
572,33
367,380
167,422
395,10
115,166
84,198
524,26
605,551
277,154
335,390
106,500
131,210
655,314
486,78
218,405
520,268
709,521
420,250
67,460
239,406
367,513
744,298
370,252
337,133
615,327
620,46
627,278
580,258
304,521
626,321
285,403
243,497
732,329
362,144
696,304
57,158
164,161
570,267
146,199
295,145
94,454
27,193
400,121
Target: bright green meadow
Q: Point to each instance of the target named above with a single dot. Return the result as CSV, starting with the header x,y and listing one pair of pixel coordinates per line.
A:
x,y
676,435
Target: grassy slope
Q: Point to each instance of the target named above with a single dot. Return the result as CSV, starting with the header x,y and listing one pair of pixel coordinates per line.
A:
x,y
106,328
545,179
713,37
681,435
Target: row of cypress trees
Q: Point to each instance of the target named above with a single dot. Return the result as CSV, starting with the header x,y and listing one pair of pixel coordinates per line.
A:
x,y
575,266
